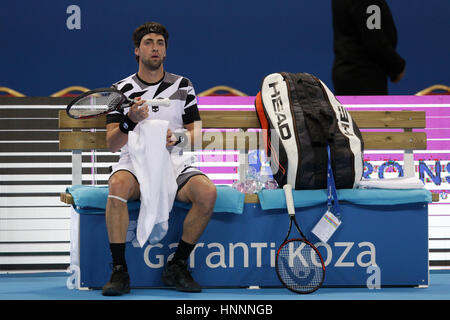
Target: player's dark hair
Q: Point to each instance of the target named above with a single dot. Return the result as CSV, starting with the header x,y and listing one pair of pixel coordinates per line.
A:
x,y
146,28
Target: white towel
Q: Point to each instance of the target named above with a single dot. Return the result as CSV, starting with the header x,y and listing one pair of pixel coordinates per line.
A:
x,y
156,176
391,183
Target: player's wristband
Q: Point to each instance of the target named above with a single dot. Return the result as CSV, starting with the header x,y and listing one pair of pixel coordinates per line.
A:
x,y
127,125
182,139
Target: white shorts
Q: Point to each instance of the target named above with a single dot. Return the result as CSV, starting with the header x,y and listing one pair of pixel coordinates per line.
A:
x,y
182,178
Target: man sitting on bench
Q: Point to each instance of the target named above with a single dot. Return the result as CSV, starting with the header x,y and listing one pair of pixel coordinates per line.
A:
x,y
151,81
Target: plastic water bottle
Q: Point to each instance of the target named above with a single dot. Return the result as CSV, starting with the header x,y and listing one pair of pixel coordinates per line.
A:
x,y
271,184
255,181
238,185
250,186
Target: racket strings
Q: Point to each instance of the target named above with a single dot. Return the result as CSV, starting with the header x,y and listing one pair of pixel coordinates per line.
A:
x,y
113,100
96,103
299,266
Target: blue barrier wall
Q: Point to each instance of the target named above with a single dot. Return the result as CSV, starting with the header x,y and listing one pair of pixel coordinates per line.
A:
x,y
230,42
240,249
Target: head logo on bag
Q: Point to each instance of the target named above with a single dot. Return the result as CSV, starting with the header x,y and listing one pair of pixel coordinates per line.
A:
x,y
299,116
280,113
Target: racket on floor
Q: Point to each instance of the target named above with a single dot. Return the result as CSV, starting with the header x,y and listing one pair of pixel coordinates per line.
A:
x,y
98,102
299,264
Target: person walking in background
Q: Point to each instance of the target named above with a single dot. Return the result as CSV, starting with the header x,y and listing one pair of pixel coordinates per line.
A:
x,y
365,40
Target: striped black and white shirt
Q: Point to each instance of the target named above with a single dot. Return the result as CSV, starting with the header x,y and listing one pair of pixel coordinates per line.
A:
x,y
183,102
183,107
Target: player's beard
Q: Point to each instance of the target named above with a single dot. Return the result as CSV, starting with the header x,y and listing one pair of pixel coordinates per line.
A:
x,y
152,64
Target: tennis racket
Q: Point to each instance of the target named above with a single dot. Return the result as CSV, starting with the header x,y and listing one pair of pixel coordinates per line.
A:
x,y
98,102
299,264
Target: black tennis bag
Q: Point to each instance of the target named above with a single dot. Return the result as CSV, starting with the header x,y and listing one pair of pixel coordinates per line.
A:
x,y
299,116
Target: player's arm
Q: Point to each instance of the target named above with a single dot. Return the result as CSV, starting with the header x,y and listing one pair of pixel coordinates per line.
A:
x,y
116,133
191,117
194,133
115,139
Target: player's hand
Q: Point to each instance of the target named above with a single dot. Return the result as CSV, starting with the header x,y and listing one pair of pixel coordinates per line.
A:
x,y
171,139
138,111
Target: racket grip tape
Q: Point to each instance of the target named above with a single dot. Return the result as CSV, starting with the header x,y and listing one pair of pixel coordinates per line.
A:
x,y
154,102
289,199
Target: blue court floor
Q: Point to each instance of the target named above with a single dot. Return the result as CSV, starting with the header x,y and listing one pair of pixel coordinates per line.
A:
x,y
52,286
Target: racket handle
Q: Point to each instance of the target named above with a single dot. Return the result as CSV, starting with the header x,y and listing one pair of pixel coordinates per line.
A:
x,y
289,199
155,102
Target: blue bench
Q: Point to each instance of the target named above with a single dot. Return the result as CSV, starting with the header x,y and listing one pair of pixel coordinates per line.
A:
x,y
383,239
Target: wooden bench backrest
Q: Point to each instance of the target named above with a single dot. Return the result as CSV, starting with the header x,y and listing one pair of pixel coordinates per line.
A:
x,y
374,140
394,132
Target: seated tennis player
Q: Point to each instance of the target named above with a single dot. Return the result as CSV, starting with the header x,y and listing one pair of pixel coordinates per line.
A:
x,y
150,82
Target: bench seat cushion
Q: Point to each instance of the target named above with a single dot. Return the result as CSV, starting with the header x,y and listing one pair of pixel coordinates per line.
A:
x,y
89,199
274,199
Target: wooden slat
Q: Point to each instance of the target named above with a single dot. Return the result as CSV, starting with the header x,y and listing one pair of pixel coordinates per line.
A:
x,y
82,140
389,119
243,141
364,119
67,198
372,141
249,119
435,197
251,198
394,140
66,123
251,140
211,140
229,119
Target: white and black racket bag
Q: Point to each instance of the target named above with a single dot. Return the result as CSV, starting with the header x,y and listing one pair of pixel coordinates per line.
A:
x,y
299,116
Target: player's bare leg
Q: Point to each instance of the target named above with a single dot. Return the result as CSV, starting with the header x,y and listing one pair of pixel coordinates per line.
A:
x,y
201,192
122,187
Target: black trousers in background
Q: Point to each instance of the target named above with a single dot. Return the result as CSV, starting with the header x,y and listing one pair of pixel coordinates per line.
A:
x,y
368,84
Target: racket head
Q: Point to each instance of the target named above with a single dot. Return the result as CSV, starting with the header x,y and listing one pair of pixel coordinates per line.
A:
x,y
299,266
95,103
